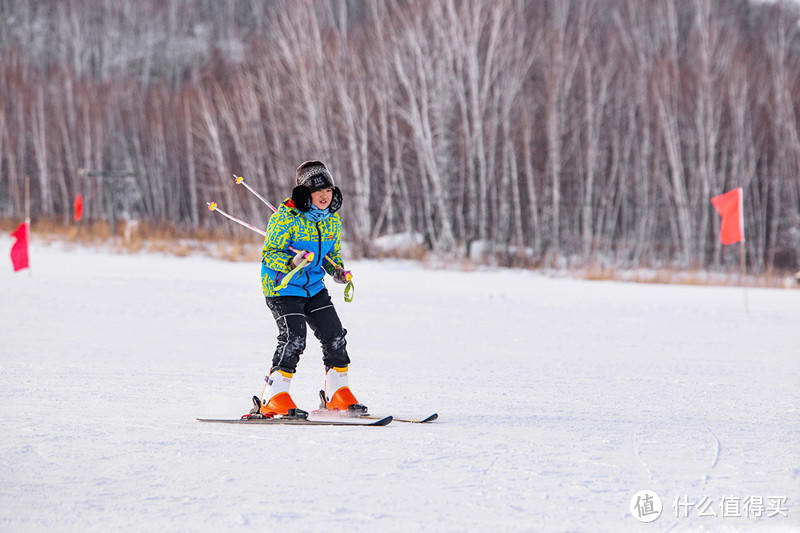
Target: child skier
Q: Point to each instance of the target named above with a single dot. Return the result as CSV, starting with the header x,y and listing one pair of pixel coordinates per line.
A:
x,y
307,222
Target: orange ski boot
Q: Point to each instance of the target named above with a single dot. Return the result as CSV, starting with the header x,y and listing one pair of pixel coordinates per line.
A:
x,y
275,400
338,396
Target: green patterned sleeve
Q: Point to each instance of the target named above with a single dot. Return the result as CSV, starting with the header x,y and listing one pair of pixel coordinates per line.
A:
x,y
335,254
275,254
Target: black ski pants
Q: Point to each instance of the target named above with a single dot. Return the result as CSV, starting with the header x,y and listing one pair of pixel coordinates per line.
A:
x,y
291,314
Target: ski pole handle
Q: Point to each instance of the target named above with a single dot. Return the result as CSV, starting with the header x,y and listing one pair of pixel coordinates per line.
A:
x,y
301,257
288,277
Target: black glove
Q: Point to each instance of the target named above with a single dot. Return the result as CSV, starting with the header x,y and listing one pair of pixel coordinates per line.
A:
x,y
340,275
295,261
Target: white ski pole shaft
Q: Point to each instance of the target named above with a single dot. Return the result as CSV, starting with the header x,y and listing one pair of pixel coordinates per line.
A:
x,y
240,181
213,207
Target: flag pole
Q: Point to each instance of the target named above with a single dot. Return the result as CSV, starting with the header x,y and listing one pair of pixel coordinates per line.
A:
x,y
729,205
28,218
744,274
743,250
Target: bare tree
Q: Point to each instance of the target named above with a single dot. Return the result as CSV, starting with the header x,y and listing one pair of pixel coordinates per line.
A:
x,y
562,132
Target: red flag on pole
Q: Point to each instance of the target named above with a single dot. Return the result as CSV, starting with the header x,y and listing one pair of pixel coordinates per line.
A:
x,y
730,207
19,252
78,207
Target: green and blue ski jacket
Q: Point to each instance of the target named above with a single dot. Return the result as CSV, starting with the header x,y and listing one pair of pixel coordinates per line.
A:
x,y
288,227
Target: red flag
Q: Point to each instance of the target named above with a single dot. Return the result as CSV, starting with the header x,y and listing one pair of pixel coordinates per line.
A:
x,y
730,207
78,207
19,252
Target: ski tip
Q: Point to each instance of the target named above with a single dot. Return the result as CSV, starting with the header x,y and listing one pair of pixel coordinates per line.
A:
x,y
424,420
383,421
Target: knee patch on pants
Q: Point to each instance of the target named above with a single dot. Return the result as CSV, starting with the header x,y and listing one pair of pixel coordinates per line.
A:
x,y
291,342
334,350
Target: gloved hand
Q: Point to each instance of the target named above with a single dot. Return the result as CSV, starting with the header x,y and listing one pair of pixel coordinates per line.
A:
x,y
299,256
340,275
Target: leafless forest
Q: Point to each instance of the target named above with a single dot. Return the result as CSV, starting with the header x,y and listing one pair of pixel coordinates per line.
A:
x,y
546,132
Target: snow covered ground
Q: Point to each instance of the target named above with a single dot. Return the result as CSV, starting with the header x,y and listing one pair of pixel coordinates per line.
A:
x,y
558,400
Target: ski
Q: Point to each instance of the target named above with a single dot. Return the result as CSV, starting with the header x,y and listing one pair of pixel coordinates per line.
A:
x,y
362,414
423,420
357,416
311,421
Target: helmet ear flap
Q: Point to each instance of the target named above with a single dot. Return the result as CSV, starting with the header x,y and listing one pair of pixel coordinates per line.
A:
x,y
336,201
301,197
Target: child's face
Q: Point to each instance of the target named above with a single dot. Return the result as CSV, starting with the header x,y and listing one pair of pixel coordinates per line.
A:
x,y
322,198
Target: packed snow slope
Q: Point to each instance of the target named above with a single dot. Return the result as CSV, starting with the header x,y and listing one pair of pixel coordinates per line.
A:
x,y
558,399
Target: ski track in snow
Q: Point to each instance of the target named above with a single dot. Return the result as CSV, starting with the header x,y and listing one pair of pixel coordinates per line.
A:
x,y
558,400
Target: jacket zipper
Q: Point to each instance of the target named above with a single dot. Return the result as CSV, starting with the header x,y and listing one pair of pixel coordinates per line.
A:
x,y
319,246
316,262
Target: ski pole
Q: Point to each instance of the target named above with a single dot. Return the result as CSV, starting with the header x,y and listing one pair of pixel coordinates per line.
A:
x,y
240,181
349,288
212,206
